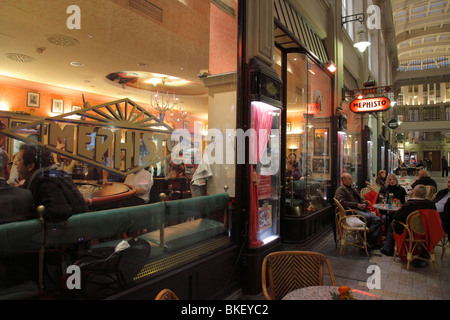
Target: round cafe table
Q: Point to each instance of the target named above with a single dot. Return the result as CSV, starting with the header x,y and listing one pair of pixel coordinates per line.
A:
x,y
390,208
324,293
108,192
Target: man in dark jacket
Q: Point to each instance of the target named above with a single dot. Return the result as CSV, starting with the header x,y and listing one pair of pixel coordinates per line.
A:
x,y
60,197
425,179
349,197
15,203
418,201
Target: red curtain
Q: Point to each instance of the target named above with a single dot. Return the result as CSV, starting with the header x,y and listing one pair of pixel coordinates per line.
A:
x,y
261,123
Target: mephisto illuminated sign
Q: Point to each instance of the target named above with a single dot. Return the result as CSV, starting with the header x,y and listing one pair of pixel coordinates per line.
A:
x,y
128,133
370,105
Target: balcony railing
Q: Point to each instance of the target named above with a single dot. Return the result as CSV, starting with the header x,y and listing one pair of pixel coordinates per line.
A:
x,y
420,113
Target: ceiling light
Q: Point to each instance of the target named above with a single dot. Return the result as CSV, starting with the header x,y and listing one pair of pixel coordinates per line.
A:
x,y
361,41
76,64
165,102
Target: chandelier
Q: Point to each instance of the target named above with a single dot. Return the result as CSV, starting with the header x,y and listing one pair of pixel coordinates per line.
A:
x,y
166,102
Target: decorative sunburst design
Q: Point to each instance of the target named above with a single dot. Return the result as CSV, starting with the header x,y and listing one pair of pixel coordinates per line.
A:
x,y
62,40
120,114
20,57
123,113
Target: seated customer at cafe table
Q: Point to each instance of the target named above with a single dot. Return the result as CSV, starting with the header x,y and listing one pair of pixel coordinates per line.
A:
x,y
60,196
416,202
393,187
15,203
349,197
425,179
381,178
442,202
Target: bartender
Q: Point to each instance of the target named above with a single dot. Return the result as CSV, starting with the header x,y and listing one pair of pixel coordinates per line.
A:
x,y
143,182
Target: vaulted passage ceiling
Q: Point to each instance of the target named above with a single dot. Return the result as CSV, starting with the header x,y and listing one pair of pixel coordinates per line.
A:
x,y
422,30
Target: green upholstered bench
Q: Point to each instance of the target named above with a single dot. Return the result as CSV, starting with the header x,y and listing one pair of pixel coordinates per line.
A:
x,y
20,237
185,234
161,222
26,236
199,228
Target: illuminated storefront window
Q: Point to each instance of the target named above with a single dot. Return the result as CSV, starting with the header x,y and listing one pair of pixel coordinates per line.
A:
x,y
112,88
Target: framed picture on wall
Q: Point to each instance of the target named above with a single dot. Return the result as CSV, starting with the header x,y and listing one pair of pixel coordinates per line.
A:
x,y
33,99
186,125
57,106
321,142
321,165
288,127
4,124
76,108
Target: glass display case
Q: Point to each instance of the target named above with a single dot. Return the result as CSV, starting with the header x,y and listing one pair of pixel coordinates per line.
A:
x,y
265,175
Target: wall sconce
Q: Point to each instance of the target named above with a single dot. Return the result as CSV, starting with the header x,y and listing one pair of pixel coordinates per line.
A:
x,y
361,42
330,66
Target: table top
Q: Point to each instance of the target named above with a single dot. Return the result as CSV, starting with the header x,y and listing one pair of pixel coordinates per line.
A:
x,y
107,192
386,207
324,293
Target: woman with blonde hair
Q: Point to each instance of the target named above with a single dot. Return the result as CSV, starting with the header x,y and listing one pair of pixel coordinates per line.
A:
x,y
393,187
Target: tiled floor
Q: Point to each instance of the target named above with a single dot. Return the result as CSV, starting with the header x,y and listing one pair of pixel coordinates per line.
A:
x,y
396,283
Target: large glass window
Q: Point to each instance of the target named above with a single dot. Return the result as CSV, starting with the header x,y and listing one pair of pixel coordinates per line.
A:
x,y
151,90
308,139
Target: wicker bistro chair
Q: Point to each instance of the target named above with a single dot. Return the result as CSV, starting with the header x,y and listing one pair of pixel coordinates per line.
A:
x,y
166,294
431,191
444,244
415,240
351,228
365,191
285,271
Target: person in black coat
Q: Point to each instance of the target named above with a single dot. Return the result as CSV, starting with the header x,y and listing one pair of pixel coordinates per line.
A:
x,y
444,164
16,203
418,201
393,187
425,179
60,197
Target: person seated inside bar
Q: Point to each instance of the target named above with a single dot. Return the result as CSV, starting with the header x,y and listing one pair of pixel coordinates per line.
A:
x,y
293,170
16,203
143,182
349,197
416,202
50,187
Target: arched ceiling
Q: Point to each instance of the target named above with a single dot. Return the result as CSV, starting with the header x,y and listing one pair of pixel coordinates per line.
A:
x,y
422,30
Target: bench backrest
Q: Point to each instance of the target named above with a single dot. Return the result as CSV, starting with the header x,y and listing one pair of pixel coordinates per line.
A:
x,y
25,236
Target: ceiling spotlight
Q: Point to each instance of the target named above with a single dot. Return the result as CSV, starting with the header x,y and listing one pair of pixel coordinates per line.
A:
x,y
76,64
330,66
